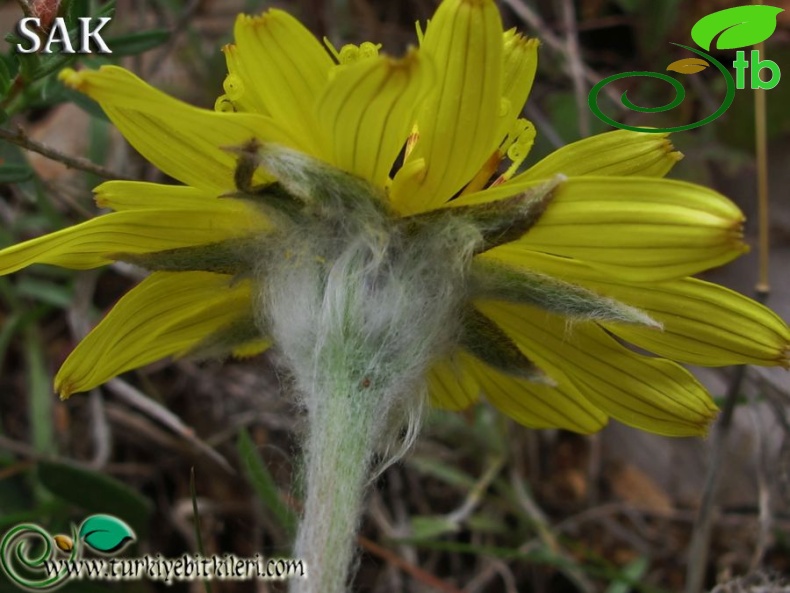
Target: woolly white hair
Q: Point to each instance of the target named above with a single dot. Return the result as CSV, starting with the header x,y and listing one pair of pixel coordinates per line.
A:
x,y
361,303
351,289
360,306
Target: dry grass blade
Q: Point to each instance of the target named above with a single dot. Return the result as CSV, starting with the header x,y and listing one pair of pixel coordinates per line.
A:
x,y
138,400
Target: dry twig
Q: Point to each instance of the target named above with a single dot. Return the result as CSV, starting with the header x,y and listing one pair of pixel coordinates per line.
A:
x,y
21,139
555,43
576,66
698,551
141,402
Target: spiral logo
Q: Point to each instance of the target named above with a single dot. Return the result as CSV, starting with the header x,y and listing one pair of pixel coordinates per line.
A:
x,y
731,28
21,565
680,94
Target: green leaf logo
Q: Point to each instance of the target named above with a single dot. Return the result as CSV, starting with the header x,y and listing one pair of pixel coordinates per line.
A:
x,y
105,533
739,27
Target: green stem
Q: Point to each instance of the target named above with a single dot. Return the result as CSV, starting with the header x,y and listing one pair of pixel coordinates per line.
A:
x,y
337,468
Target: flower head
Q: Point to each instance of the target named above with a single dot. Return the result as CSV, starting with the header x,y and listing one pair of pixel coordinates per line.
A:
x,y
382,194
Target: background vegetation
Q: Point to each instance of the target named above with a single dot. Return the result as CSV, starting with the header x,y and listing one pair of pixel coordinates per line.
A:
x,y
481,504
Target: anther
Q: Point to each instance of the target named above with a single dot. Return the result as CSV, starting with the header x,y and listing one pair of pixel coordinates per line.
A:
x,y
223,104
233,86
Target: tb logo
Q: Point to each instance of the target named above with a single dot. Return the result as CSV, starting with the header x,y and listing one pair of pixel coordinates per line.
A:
x,y
732,28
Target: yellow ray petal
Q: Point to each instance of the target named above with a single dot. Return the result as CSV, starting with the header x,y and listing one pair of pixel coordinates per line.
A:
x,y
538,406
640,228
636,228
367,112
619,153
703,323
251,349
706,324
140,195
652,394
183,141
451,385
286,69
459,123
93,243
245,97
520,64
164,315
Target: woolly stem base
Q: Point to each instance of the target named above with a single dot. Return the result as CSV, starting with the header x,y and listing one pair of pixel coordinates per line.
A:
x,y
360,303
338,454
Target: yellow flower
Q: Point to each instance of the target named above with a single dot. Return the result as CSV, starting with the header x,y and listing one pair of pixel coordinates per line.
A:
x,y
591,235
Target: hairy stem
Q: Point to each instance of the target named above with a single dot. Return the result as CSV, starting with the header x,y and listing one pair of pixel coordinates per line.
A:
x,y
337,460
360,307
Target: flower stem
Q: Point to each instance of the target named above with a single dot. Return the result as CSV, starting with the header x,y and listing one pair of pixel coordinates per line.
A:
x,y
337,468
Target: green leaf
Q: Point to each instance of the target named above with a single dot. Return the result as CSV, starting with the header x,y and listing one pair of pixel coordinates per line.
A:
x,y
137,43
13,39
105,533
431,527
39,394
17,495
631,573
53,63
739,27
43,291
15,173
28,64
73,9
96,492
107,9
441,471
85,103
263,483
5,78
14,323
482,523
